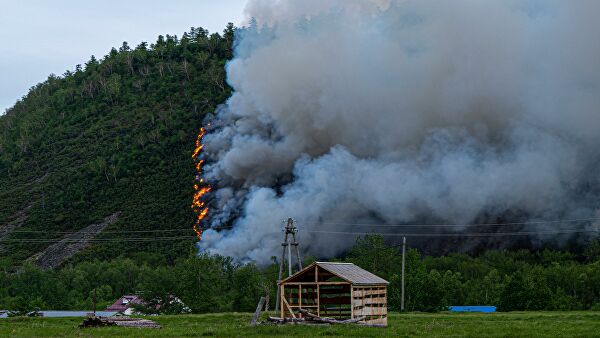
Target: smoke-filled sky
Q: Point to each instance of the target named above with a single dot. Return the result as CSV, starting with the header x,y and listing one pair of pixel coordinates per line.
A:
x,y
389,111
41,37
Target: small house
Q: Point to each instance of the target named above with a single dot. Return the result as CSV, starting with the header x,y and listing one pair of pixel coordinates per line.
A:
x,y
170,304
336,290
125,304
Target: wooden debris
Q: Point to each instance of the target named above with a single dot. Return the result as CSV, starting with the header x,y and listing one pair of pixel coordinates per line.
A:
x,y
136,322
97,322
312,319
119,321
259,307
328,320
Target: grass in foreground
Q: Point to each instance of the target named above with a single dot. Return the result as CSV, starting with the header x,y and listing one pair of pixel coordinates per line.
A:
x,y
514,324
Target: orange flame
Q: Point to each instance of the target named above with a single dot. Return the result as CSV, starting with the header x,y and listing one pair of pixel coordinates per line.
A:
x,y
200,187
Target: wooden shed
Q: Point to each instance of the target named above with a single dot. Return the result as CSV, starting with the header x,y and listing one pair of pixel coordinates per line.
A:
x,y
337,290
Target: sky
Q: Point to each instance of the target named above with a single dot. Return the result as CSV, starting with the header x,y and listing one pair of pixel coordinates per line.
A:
x,y
41,37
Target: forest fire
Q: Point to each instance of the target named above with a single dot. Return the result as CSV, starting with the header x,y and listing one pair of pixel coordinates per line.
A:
x,y
200,187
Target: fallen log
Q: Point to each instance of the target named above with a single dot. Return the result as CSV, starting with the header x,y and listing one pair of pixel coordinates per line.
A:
x,y
312,317
309,314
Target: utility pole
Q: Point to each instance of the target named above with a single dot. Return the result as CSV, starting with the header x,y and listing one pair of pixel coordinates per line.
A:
x,y
288,241
403,254
94,302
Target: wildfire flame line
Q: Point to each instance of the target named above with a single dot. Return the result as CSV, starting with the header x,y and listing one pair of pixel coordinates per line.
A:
x,y
201,188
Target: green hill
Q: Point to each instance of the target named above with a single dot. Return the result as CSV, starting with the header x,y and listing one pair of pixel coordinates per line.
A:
x,y
107,148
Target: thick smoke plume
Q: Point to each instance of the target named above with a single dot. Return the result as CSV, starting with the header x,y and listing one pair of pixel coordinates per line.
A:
x,y
385,111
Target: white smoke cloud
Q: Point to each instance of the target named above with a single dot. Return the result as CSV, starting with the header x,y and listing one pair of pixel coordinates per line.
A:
x,y
404,111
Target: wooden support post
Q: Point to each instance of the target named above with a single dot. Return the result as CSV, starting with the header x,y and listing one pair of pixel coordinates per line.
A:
x,y
318,290
259,307
319,300
385,302
300,296
281,296
351,301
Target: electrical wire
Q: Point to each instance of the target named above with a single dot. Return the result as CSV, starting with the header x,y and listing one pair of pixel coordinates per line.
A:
x,y
80,240
171,238
115,231
483,234
466,224
329,223
157,239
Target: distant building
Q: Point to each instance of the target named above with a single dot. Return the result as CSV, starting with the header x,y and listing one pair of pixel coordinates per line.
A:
x,y
125,304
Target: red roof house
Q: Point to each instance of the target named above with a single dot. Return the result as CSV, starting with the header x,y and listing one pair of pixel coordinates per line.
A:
x,y
125,303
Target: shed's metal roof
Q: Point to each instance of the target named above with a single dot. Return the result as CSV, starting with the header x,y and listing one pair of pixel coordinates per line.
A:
x,y
352,273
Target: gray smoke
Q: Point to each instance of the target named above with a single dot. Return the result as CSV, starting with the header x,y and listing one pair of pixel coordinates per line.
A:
x,y
390,111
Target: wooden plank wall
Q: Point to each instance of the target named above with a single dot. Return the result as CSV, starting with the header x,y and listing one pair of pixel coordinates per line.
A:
x,y
370,302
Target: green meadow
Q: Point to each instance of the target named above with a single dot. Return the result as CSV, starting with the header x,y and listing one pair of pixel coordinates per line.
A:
x,y
511,324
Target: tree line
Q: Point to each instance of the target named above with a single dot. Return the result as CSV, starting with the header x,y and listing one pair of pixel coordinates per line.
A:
x,y
510,280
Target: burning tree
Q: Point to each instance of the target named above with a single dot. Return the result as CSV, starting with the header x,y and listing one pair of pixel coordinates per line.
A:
x,y
201,188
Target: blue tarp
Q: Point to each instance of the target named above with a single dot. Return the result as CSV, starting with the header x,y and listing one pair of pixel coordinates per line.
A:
x,y
473,308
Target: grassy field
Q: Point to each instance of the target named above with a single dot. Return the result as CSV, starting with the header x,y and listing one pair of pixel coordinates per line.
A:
x,y
514,324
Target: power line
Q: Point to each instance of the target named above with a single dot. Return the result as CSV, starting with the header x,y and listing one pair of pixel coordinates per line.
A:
x,y
115,231
542,222
473,234
103,232
79,240
157,239
463,225
169,238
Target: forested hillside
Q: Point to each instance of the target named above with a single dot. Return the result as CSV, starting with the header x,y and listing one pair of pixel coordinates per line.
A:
x,y
109,145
